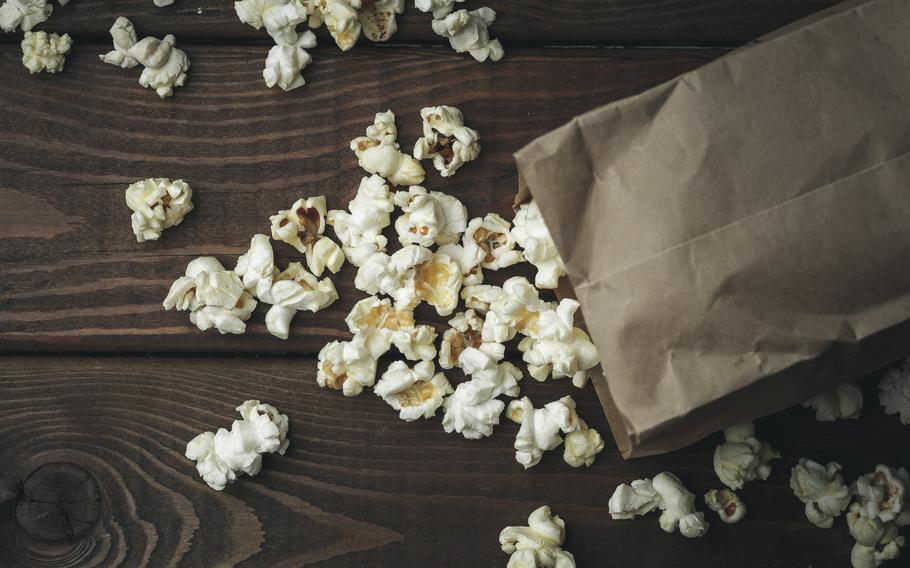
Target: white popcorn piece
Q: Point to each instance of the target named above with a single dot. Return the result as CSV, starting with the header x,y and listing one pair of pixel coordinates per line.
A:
x,y
45,52
372,313
876,541
539,544
252,12
256,267
159,3
742,457
379,153
531,234
727,504
285,62
637,499
295,290
464,332
279,18
894,391
416,343
414,393
349,366
468,263
377,18
438,282
439,8
410,275
665,492
468,32
582,446
821,488
479,297
214,296
472,410
429,217
491,238
165,65
124,36
883,494
220,456
541,427
302,226
360,229
446,140
24,14
559,350
340,18
843,401
157,204
515,310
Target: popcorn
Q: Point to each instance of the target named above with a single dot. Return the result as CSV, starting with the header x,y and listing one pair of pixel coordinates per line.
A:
x,y
464,332
894,392
256,267
429,218
377,18
468,262
821,488
45,52
215,297
159,3
666,492
295,290
417,343
124,36
742,458
340,18
383,326
844,401
437,282
876,541
515,310
157,204
286,61
582,446
531,234
727,504
472,410
540,432
883,494
220,456
446,140
380,154
491,237
165,65
539,543
24,14
410,275
360,230
559,349
302,226
348,366
414,393
467,31
440,8
279,18
480,296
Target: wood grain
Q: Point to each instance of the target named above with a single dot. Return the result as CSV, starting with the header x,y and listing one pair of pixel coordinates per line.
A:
x,y
75,279
359,487
519,22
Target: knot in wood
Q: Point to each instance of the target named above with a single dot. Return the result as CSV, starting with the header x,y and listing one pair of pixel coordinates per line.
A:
x,y
58,502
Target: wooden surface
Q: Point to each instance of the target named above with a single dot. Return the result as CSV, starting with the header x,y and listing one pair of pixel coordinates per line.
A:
x,y
100,389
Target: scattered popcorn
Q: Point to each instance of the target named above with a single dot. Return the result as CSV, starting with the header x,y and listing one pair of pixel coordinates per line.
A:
x,y
429,218
822,489
302,226
222,455
414,393
582,446
559,349
468,262
666,492
491,237
480,296
360,229
295,290
894,392
541,428
446,140
410,275
844,401
464,332
416,343
531,234
377,18
876,541
472,410
373,313
727,504
24,14
340,18
45,52
256,267
348,366
157,204
124,36
467,31
515,310
279,18
440,8
883,493
379,153
285,62
438,282
539,543
742,458
214,296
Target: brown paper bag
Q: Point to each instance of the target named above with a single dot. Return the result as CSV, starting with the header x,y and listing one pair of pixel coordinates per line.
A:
x,y
739,237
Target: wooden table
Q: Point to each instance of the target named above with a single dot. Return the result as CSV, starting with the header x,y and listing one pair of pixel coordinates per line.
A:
x,y
100,389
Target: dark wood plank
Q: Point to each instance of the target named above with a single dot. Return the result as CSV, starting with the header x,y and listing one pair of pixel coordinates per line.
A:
x,y
358,487
537,22
75,279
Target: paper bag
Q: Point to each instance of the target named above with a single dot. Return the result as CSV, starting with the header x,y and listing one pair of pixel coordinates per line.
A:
x,y
739,237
